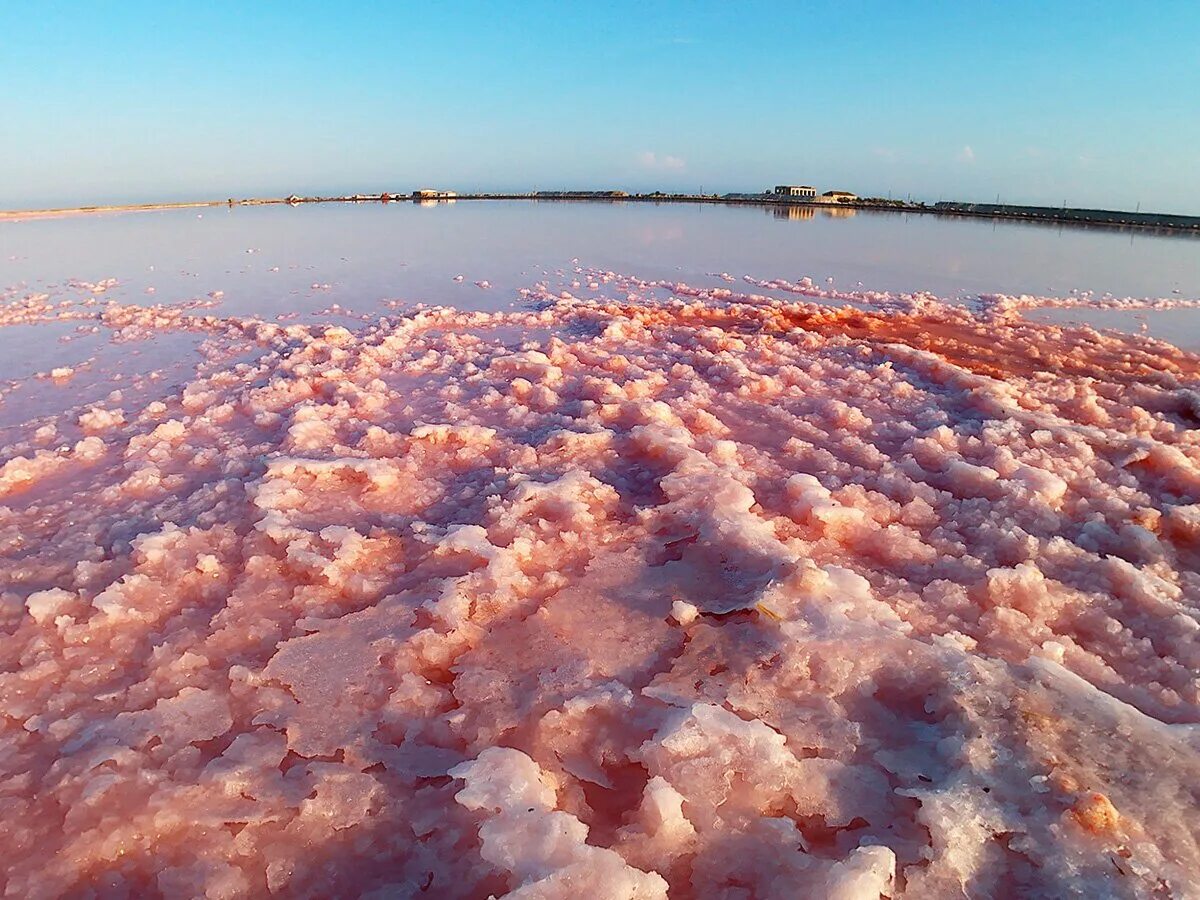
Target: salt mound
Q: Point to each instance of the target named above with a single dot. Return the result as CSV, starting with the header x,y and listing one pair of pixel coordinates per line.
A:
x,y
691,593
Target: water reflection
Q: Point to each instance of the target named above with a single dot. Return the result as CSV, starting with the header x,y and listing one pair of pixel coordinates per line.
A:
x,y
268,260
804,213
793,213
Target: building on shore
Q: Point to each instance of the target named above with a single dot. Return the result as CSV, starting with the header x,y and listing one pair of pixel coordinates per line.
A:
x,y
799,191
431,194
837,197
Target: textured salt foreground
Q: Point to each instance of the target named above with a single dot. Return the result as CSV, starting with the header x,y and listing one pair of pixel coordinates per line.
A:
x,y
641,590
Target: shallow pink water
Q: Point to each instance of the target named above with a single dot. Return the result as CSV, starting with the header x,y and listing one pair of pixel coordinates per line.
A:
x,y
633,588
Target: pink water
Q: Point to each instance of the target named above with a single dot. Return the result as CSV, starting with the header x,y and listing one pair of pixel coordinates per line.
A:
x,y
651,567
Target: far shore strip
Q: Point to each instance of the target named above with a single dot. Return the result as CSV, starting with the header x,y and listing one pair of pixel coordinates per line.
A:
x,y
1162,223
22,215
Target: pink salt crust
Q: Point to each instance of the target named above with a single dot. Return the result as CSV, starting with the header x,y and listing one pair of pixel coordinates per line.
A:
x,y
687,592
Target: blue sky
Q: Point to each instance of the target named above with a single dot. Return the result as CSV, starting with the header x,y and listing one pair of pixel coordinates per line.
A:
x,y
1094,104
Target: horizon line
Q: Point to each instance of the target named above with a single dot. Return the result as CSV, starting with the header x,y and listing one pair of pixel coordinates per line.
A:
x,y
1025,212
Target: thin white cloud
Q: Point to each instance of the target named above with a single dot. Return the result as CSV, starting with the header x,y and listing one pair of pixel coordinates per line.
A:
x,y
651,160
966,155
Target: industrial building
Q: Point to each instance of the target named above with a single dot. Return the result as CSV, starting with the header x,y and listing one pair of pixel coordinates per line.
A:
x,y
799,191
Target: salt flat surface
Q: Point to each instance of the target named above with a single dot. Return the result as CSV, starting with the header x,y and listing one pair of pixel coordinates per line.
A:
x,y
737,585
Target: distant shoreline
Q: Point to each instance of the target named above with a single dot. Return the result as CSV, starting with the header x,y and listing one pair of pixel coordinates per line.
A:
x,y
68,211
1116,219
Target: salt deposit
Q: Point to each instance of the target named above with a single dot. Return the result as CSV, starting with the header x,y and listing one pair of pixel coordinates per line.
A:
x,y
666,591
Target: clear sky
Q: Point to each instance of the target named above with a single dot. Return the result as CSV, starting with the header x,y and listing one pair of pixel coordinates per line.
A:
x,y
1091,103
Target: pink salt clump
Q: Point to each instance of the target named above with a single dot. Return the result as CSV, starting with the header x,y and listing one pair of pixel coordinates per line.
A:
x,y
99,419
543,850
678,591
47,606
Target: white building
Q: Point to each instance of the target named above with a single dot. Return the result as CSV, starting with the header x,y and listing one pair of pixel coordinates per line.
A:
x,y
800,191
837,197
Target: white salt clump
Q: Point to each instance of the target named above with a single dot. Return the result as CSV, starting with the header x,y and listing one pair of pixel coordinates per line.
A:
x,y
814,502
683,612
544,850
89,449
100,419
337,335
661,812
1042,484
45,606
503,780
867,873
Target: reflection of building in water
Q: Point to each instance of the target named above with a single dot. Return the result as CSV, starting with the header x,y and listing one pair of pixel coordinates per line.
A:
x,y
803,191
836,213
792,212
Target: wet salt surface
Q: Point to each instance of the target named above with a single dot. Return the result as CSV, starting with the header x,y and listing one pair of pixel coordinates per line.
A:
x,y
269,260
704,586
